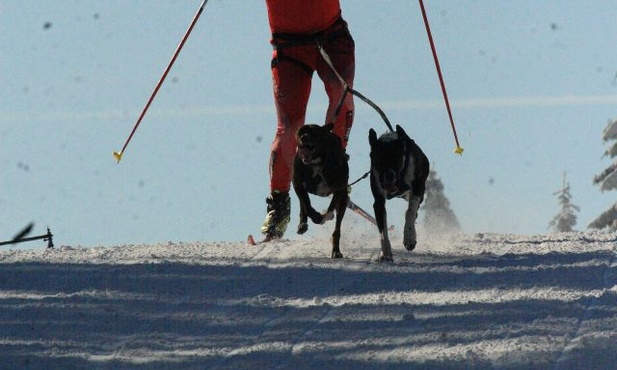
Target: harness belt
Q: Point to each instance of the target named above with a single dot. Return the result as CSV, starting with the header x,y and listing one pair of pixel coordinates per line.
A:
x,y
281,41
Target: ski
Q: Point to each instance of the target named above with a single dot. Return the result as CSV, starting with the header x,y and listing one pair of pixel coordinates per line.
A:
x,y
367,216
251,240
356,208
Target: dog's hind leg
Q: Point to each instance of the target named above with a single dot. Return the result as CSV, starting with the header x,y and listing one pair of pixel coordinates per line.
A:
x,y
302,225
409,233
328,214
341,206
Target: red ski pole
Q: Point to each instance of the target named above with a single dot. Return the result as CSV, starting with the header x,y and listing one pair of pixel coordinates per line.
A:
x,y
118,155
459,149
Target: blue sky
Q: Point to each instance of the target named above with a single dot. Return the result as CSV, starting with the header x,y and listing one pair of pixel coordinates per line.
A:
x,y
532,84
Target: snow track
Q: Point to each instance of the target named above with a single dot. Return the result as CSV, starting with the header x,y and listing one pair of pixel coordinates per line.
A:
x,y
477,301
574,354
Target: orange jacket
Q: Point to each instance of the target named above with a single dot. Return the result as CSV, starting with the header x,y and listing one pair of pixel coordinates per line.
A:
x,y
302,16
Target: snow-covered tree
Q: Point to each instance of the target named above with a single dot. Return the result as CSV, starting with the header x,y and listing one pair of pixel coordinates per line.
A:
x,y
565,220
607,180
438,217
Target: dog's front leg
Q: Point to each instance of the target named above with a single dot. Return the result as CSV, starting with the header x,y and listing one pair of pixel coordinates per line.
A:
x,y
379,206
409,233
339,200
305,202
307,210
315,216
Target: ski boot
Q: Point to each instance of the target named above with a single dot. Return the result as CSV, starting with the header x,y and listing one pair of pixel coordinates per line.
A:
x,y
278,216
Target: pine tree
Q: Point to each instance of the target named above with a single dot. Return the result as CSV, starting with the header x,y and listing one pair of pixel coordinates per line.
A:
x,y
565,220
438,217
607,180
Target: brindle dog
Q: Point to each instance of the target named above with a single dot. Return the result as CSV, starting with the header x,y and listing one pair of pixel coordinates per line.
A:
x,y
320,168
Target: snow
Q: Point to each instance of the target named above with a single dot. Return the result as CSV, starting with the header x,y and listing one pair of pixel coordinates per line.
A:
x,y
482,301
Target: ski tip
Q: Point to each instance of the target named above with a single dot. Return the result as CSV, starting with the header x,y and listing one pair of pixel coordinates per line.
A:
x,y
250,240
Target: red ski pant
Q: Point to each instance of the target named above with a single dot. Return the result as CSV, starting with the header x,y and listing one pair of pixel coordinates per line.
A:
x,y
293,65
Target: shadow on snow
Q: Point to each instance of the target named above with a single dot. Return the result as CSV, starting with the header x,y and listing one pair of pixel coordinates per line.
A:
x,y
173,315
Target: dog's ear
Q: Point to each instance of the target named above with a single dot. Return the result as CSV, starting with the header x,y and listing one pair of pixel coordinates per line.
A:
x,y
328,127
372,137
306,129
401,133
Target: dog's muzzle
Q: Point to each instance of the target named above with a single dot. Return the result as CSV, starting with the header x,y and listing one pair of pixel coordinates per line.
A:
x,y
389,181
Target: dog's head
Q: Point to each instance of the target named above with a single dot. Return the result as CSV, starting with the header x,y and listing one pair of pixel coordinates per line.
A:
x,y
388,157
312,141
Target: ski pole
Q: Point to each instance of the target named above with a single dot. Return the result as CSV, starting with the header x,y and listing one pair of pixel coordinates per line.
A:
x,y
118,155
459,149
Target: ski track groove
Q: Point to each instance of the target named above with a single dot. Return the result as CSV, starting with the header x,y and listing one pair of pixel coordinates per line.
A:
x,y
125,349
586,314
270,326
327,312
461,283
262,249
264,252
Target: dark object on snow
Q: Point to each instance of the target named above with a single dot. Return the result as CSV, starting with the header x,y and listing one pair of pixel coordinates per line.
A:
x,y
399,168
321,168
20,237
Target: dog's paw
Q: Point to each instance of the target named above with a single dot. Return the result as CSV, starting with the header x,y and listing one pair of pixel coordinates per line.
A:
x,y
410,244
302,227
337,254
383,258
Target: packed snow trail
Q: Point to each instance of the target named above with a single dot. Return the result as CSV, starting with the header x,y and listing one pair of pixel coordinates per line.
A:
x,y
591,324
472,301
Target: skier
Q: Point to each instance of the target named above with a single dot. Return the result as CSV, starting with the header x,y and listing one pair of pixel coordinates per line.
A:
x,y
298,27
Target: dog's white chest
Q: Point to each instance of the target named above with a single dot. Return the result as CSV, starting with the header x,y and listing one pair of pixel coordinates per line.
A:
x,y
321,187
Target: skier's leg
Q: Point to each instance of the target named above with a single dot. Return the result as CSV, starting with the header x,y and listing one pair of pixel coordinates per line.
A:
x,y
291,87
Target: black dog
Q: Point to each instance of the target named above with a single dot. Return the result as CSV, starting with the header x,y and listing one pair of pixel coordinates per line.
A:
x,y
320,168
399,168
